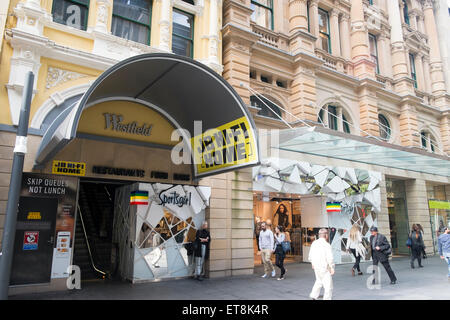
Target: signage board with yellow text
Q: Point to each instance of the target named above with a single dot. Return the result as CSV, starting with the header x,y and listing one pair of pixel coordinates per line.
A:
x,y
69,168
229,145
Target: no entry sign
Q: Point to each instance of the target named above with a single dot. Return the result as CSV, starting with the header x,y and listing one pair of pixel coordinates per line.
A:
x,y
30,240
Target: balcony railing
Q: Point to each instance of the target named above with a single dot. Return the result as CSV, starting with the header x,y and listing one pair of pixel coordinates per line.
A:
x,y
335,63
270,38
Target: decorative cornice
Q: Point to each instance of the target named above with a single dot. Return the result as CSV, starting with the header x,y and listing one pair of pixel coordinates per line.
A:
x,y
56,76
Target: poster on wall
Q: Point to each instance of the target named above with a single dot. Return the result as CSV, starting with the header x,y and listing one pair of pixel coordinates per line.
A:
x,y
39,190
282,215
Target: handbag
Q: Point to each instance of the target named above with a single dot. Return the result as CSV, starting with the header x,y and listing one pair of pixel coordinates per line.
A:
x,y
409,242
286,245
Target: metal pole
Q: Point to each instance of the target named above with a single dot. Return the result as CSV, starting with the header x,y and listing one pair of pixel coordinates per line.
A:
x,y
20,150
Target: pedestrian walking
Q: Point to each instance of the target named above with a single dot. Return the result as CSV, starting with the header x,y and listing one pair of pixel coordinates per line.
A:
x,y
444,248
380,250
201,250
417,245
257,230
356,247
321,258
280,237
266,245
424,254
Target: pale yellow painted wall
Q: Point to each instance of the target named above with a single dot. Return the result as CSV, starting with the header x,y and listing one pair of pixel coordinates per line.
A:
x,y
201,44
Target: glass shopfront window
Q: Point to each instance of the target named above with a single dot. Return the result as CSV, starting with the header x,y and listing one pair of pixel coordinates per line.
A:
x,y
73,13
131,20
439,206
279,209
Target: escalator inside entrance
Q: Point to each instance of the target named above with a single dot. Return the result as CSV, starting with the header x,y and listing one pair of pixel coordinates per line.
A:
x,y
94,251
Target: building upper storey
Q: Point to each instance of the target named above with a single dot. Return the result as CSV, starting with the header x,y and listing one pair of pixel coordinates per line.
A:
x,y
399,37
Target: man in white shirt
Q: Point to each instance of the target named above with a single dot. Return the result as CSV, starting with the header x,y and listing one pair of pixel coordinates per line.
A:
x,y
266,245
321,258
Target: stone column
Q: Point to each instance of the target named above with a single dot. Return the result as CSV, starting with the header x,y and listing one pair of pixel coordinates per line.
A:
x,y
164,25
408,125
363,66
335,37
368,111
419,72
445,132
339,119
384,53
345,36
237,39
427,74
418,212
399,58
421,25
437,75
213,33
303,91
314,20
103,16
412,20
298,15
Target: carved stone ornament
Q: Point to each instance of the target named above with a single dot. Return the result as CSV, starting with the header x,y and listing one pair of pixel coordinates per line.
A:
x,y
56,76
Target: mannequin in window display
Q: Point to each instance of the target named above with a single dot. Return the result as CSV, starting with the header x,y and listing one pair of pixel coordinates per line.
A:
x,y
283,217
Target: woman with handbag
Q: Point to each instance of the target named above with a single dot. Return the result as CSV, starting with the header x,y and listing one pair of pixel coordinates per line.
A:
x,y
424,254
417,245
279,238
356,247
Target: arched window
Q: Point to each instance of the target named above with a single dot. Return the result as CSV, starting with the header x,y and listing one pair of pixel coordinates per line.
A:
x,y
264,110
384,127
334,120
428,141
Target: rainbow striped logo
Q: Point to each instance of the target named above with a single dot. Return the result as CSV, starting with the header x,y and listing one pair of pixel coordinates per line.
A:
x,y
333,207
139,197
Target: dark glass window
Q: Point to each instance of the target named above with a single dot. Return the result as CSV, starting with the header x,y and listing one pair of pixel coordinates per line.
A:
x,y
131,20
265,111
73,13
262,13
345,124
423,139
374,50
412,62
332,117
405,12
183,33
324,30
384,127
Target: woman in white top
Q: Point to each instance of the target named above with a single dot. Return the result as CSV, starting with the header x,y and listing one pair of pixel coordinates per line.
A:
x,y
355,246
279,237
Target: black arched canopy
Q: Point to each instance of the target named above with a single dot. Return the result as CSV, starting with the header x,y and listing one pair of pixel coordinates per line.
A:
x,y
183,91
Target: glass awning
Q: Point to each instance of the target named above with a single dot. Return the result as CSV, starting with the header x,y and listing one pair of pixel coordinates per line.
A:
x,y
324,142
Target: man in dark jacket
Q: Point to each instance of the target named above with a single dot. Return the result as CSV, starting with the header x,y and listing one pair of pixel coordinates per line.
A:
x,y
381,250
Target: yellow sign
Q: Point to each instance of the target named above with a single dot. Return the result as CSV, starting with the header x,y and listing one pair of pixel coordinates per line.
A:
x,y
231,144
69,168
34,216
126,120
436,204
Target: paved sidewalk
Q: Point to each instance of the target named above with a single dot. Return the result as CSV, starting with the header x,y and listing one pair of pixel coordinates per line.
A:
x,y
425,283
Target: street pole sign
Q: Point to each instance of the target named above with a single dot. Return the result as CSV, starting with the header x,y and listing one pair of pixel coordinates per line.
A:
x,y
20,150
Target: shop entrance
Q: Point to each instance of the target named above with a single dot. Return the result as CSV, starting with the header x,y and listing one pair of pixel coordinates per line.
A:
x,y
279,209
398,216
94,251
